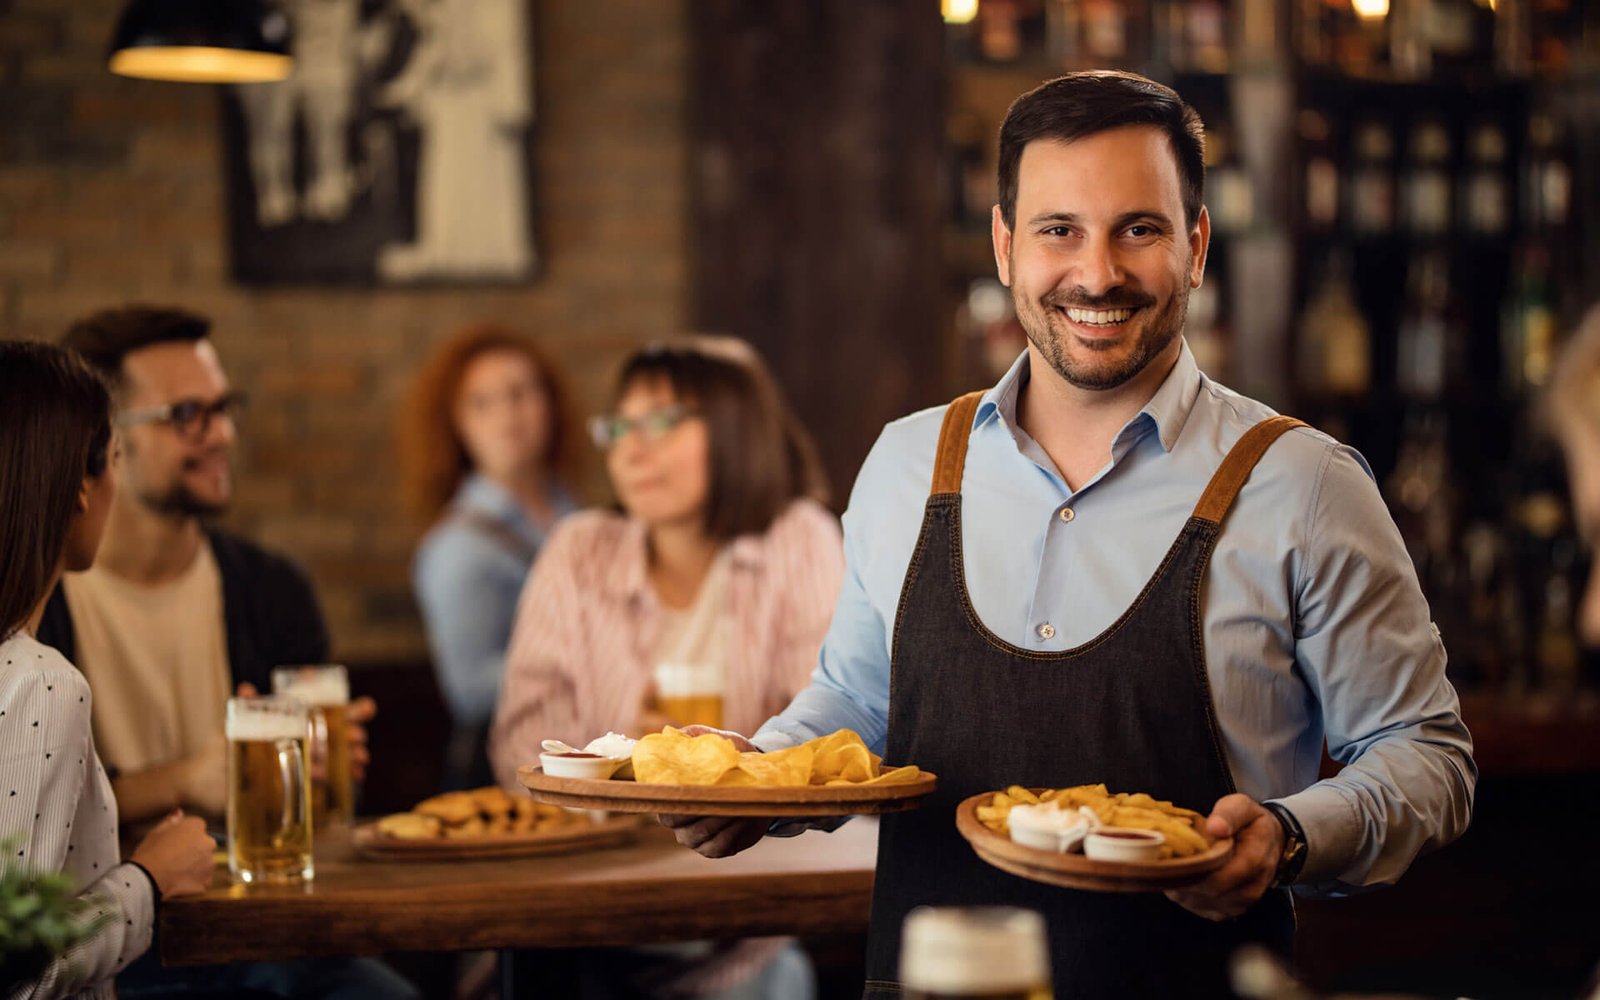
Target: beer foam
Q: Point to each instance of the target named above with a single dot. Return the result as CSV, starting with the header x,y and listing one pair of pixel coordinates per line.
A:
x,y
973,950
677,679
254,726
330,687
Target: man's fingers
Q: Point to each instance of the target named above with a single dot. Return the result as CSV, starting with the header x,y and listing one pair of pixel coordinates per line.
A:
x,y
731,840
362,709
1198,905
1231,814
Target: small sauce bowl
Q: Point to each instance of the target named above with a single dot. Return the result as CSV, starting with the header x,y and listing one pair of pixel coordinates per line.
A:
x,y
580,765
1046,827
1121,843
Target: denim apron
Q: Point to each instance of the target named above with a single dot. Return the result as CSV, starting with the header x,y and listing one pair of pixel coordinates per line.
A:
x,y
1131,708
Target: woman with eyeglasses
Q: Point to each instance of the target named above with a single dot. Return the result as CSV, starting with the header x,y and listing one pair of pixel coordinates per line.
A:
x,y
57,811
703,598
488,448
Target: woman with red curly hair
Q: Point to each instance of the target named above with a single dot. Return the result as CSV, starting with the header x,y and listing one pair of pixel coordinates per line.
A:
x,y
488,452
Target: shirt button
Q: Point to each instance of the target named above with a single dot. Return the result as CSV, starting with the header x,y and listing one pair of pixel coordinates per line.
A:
x,y
1067,514
1047,631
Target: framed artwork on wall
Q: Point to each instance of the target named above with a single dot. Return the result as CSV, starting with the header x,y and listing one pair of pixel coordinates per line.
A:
x,y
399,152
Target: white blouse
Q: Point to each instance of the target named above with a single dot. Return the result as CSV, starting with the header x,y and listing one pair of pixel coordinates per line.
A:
x,y
57,814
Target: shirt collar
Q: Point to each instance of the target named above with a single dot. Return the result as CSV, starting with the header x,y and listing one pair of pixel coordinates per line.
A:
x,y
1167,411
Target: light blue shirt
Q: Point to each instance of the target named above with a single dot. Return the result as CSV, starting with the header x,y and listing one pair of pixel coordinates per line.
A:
x,y
467,581
1315,626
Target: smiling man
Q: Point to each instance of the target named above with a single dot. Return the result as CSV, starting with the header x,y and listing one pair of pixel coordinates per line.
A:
x,y
176,615
1109,568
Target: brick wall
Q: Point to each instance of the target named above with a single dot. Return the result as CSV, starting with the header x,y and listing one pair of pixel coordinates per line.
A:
x,y
110,190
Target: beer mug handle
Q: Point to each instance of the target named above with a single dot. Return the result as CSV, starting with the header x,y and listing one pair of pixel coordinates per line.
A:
x,y
318,748
291,766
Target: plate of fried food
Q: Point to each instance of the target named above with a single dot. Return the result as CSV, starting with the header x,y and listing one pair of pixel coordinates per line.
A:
x,y
487,823
1086,837
672,772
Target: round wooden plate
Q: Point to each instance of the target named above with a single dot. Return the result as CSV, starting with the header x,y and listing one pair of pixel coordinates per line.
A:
x,y
713,800
582,835
1074,871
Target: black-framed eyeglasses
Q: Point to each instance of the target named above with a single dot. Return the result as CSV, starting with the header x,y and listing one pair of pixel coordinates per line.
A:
x,y
191,418
652,426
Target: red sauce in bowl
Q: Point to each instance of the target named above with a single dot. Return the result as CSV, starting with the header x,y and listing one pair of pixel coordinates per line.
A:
x,y
592,756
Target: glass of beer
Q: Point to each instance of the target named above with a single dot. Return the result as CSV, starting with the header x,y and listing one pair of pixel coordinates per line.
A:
x,y
689,694
325,690
269,790
968,953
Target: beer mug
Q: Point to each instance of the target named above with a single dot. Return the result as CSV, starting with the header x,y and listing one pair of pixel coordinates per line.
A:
x,y
325,691
967,953
269,790
689,694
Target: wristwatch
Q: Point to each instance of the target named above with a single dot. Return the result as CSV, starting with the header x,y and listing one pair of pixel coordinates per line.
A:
x,y
1293,857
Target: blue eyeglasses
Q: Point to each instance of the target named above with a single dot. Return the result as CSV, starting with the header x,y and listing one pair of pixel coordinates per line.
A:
x,y
652,426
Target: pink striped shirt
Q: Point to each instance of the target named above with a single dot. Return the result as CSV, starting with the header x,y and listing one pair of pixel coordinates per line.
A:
x,y
579,663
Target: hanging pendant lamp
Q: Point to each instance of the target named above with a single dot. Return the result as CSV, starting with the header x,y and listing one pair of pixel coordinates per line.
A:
x,y
202,41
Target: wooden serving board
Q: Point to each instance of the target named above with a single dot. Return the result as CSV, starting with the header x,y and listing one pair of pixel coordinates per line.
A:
x,y
1074,871
581,835
715,800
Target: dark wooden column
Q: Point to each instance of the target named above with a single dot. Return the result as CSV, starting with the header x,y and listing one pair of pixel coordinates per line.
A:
x,y
817,130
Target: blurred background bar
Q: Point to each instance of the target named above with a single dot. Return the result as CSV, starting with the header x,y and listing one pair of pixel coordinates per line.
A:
x,y
1406,205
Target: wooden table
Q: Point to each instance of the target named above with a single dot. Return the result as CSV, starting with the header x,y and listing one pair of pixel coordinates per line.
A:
x,y
652,891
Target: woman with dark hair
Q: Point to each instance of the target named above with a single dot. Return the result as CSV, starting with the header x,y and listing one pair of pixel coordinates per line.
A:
x,y
702,600
56,485
488,447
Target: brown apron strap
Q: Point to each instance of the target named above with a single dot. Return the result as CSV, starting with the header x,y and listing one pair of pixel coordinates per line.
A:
x,y
953,435
1236,468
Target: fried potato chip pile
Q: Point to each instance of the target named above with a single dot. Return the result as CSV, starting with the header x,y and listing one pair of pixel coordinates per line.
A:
x,y
672,758
482,812
1136,810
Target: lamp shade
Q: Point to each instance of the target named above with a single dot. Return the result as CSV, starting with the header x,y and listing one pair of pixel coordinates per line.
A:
x,y
202,41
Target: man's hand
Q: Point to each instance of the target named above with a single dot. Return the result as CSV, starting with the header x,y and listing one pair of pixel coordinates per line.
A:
x,y
1257,845
361,712
717,836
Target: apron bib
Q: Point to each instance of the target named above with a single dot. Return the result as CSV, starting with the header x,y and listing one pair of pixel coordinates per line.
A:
x,y
1131,708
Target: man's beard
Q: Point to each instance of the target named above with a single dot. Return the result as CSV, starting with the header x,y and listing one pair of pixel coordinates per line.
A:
x,y
1040,318
176,500
179,501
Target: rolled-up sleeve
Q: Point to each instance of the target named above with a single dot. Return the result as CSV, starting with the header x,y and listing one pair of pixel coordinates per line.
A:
x,y
849,688
1368,650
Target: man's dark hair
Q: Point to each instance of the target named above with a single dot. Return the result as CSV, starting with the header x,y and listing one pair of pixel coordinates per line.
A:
x,y
105,338
1082,104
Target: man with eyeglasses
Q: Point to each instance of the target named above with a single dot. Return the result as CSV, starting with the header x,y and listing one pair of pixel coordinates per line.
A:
x,y
176,615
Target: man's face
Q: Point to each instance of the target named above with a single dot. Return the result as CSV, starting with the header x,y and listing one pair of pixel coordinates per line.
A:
x,y
167,468
1101,263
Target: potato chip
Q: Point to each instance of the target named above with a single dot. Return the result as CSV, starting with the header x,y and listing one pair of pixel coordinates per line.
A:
x,y
784,768
672,758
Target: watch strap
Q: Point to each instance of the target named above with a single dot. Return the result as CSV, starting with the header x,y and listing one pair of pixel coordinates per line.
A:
x,y
1293,858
